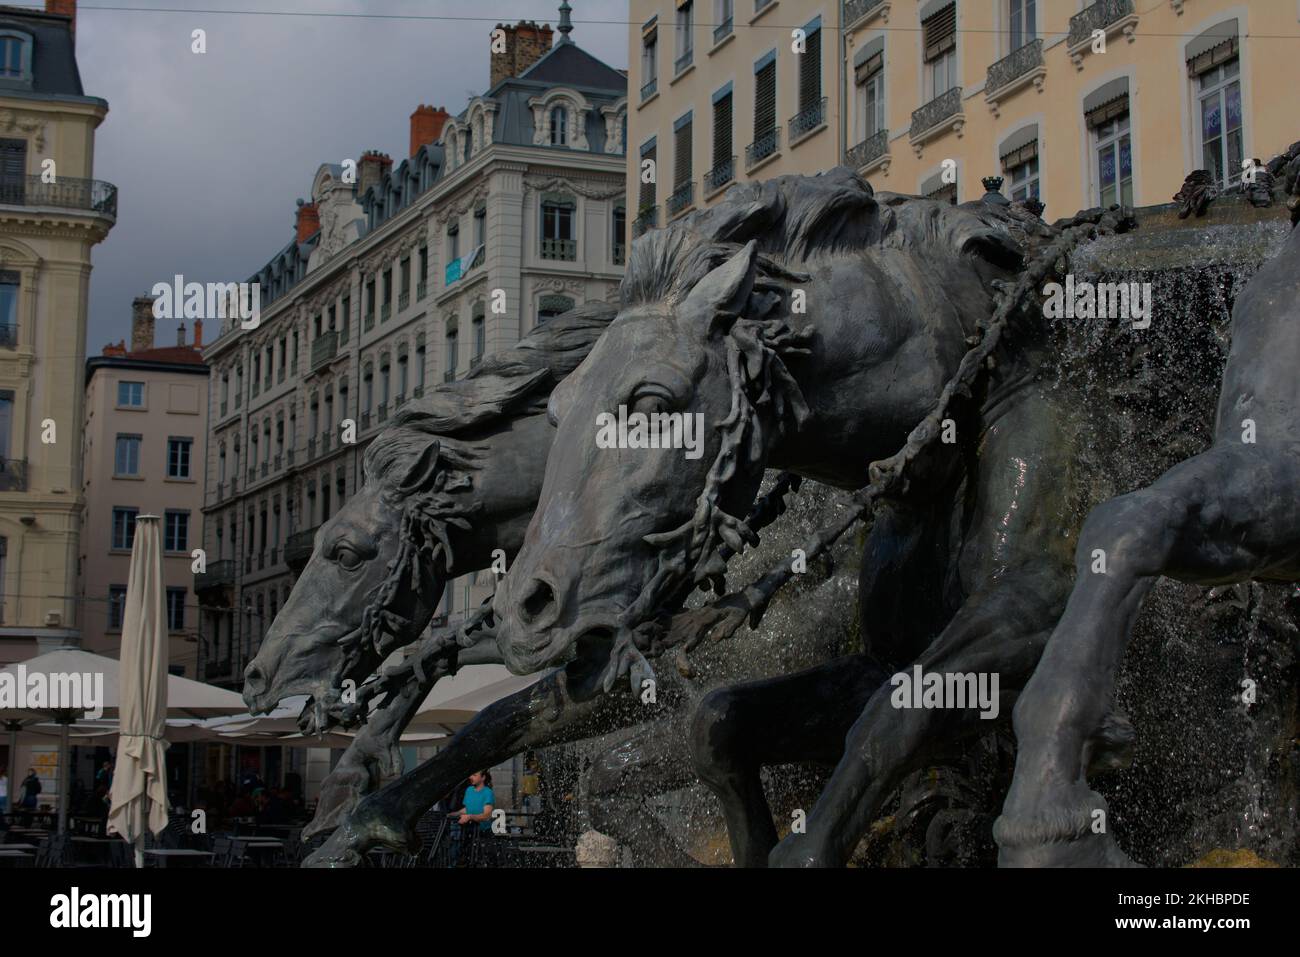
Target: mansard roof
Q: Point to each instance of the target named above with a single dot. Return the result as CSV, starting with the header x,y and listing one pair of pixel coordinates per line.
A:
x,y
54,61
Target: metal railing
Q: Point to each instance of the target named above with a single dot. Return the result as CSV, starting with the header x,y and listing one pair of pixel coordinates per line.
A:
x,y
870,149
369,322
620,254
8,335
385,311
681,198
365,421
683,61
1096,17
1014,65
566,249
66,192
13,475
936,111
763,147
311,449
721,174
324,442
808,119
421,288
217,574
417,392
722,31
855,10
647,219
649,88
403,300
383,412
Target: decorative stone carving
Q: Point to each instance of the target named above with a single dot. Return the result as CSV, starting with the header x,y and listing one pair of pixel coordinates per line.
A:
x,y
12,121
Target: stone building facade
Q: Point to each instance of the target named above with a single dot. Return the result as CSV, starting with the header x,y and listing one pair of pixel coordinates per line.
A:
x,y
389,287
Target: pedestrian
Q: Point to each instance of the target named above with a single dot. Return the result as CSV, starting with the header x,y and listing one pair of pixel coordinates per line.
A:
x,y
31,787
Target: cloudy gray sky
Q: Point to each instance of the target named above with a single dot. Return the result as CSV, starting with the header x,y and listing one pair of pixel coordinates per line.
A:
x,y
211,151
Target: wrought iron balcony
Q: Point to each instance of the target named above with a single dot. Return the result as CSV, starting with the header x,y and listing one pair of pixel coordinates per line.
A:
x,y
13,475
66,192
1099,16
224,408
763,147
266,469
385,311
807,120
324,349
325,442
936,111
299,546
647,219
855,10
421,288
276,464
649,88
868,151
417,392
383,412
565,249
620,254
721,174
1014,66
311,449
682,197
683,61
8,335
722,31
365,421
369,322
403,300
400,398
288,457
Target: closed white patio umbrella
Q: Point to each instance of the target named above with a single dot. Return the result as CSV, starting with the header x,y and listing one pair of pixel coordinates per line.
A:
x,y
138,800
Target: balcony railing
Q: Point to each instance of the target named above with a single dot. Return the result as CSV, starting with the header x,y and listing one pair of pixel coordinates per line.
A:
x,y
763,147
1096,17
722,31
682,197
311,449
648,219
403,300
383,412
683,61
288,457
417,392
276,462
217,574
565,249
279,377
1014,66
721,174
13,475
8,335
649,88
808,119
298,546
225,407
67,192
620,254
855,10
369,322
449,375
868,151
266,469
365,421
936,111
325,442
399,399
421,288
385,311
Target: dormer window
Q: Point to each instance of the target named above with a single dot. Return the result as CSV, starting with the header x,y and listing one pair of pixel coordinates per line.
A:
x,y
15,56
559,126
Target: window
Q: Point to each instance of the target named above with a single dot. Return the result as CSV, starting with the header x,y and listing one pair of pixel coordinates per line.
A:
x,y
722,154
939,34
176,609
646,198
1024,23
13,170
480,334
1024,180
388,293
619,251
450,350
385,380
869,91
178,457
1107,117
1020,163
810,68
124,527
370,301
6,425
176,532
559,126
765,97
419,365
405,269
13,57
551,306
130,395
9,284
453,242
424,263
480,227
1219,98
649,59
116,606
368,389
126,460
558,240
685,34
682,130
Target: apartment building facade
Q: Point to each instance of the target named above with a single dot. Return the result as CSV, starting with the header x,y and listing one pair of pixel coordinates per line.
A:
x,y
52,212
146,422
501,217
1074,104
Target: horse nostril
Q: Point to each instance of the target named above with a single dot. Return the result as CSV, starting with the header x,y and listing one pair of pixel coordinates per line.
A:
x,y
539,599
254,680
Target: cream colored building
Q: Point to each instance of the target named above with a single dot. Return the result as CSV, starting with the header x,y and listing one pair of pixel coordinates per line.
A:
x,y
1023,89
51,213
146,424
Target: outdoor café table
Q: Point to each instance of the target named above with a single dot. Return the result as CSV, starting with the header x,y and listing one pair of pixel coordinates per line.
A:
x,y
16,859
18,847
179,855
266,847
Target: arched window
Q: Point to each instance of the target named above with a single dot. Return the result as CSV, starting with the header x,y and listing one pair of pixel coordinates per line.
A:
x,y
15,56
450,352
559,126
480,335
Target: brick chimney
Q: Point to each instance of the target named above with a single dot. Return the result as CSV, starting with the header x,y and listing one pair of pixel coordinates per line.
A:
x,y
198,333
115,348
308,220
526,43
142,323
371,169
64,8
426,126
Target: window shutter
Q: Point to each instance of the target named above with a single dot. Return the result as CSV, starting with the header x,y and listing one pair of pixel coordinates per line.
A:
x,y
647,195
765,100
1020,156
810,72
722,130
940,30
868,69
1204,62
682,154
1107,111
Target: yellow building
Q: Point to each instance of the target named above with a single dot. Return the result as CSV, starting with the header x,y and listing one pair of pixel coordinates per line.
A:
x,y
1075,104
51,213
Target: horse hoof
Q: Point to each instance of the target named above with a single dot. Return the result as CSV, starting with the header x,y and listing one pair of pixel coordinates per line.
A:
x,y
335,852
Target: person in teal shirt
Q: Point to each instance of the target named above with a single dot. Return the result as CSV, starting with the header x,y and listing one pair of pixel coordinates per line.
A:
x,y
478,802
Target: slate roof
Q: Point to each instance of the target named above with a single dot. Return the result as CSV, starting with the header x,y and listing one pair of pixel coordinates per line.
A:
x,y
54,62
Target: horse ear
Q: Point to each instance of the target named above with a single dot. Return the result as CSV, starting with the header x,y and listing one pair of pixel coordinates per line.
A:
x,y
420,475
720,297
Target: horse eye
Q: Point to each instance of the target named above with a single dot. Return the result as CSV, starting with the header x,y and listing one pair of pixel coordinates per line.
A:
x,y
346,557
649,403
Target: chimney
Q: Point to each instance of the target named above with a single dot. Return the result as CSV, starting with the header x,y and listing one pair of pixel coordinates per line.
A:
x,y
198,333
526,43
426,126
115,349
371,169
308,220
64,8
180,334
142,323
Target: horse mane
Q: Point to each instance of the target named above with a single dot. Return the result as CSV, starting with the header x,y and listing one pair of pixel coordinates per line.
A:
x,y
515,381
796,219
